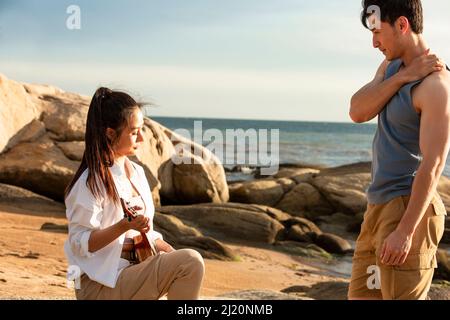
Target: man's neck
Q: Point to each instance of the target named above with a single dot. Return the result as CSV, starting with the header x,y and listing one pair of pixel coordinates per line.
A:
x,y
417,47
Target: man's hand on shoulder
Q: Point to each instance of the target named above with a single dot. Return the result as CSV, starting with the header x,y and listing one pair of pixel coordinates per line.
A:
x,y
422,66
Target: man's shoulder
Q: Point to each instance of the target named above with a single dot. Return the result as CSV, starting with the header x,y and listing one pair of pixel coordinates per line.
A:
x,y
435,87
436,80
437,83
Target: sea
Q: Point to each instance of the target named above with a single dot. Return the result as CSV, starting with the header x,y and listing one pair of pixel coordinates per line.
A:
x,y
299,142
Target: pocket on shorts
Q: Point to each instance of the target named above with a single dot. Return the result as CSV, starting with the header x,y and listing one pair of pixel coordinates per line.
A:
x,y
436,223
420,261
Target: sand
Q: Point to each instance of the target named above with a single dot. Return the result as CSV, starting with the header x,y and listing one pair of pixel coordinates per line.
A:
x,y
33,265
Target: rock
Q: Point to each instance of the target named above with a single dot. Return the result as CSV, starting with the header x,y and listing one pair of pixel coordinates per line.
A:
x,y
17,111
295,233
49,226
193,184
181,236
344,187
440,290
299,229
265,192
308,250
333,243
197,167
330,290
338,224
355,225
274,213
286,184
304,199
15,199
446,236
38,166
295,172
208,247
259,295
73,150
443,270
306,177
173,228
30,133
228,221
66,116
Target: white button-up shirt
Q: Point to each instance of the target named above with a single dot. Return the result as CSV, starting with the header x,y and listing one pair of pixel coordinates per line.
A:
x,y
85,214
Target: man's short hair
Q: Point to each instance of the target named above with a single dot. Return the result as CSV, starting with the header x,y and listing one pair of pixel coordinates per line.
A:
x,y
391,10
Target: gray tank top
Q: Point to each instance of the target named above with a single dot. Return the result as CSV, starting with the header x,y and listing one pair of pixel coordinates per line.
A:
x,y
396,151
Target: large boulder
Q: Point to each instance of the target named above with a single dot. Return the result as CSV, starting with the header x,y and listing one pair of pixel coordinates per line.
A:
x,y
305,200
38,166
18,200
344,187
42,143
181,236
266,192
333,243
302,230
198,175
16,111
229,221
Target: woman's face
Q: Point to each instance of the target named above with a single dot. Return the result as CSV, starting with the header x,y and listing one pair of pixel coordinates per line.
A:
x,y
131,136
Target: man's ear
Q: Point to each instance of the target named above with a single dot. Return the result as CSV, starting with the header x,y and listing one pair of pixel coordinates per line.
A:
x,y
110,134
402,25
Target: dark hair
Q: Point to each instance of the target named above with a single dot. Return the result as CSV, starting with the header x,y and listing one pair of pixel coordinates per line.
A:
x,y
391,10
108,109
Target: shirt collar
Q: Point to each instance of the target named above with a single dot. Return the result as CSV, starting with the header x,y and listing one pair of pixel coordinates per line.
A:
x,y
118,171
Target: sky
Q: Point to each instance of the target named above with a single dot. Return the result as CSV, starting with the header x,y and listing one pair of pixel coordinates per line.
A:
x,y
237,59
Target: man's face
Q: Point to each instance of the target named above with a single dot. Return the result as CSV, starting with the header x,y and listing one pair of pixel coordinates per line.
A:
x,y
386,39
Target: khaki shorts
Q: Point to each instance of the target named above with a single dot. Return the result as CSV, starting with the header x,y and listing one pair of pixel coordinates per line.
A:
x,y
412,280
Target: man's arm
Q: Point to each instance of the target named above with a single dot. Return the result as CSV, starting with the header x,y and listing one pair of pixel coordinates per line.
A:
x,y
368,102
434,104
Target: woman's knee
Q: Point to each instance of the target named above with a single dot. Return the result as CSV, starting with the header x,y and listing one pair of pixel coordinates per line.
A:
x,y
193,259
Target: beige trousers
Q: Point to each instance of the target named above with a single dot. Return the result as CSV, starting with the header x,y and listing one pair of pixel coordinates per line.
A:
x,y
179,274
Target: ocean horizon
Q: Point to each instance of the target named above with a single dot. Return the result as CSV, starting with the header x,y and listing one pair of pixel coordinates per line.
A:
x,y
329,144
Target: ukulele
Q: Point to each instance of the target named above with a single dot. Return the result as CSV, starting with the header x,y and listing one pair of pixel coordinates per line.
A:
x,y
142,247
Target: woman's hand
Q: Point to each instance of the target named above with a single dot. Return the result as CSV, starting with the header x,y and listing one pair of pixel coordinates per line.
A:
x,y
163,246
140,223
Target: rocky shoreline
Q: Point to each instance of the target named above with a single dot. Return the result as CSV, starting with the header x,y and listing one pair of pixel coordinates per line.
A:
x,y
306,212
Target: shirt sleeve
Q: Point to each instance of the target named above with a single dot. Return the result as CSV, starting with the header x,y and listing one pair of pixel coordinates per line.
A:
x,y
84,213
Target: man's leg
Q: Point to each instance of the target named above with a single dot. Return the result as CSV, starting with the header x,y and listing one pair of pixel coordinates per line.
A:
x,y
412,280
364,283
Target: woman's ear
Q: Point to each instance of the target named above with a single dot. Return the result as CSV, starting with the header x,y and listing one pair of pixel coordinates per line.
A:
x,y
110,134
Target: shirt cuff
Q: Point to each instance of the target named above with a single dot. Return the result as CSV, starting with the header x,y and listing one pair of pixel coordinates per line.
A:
x,y
84,241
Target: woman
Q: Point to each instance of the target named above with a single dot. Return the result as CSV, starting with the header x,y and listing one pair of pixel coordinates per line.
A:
x,y
98,229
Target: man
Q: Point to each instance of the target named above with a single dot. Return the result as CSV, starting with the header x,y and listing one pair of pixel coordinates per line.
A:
x,y
404,222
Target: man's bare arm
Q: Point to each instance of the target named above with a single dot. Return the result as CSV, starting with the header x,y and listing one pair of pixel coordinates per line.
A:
x,y
434,144
370,100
